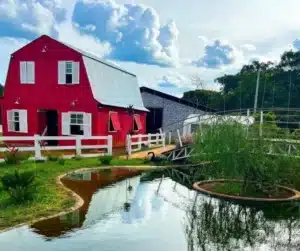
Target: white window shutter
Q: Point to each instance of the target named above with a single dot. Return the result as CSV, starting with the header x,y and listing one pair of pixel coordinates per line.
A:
x,y
75,76
10,125
65,119
23,121
30,72
61,72
23,72
87,127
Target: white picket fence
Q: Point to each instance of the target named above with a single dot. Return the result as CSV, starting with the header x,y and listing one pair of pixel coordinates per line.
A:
x,y
38,147
134,143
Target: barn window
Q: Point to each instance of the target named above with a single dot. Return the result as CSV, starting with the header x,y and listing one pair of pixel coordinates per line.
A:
x,y
27,72
68,72
114,123
137,124
17,121
76,123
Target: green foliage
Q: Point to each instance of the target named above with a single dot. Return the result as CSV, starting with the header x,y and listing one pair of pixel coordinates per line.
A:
x,y
105,160
19,185
238,90
235,156
228,188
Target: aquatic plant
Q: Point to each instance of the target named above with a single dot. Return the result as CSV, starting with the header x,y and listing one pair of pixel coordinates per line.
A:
x,y
236,156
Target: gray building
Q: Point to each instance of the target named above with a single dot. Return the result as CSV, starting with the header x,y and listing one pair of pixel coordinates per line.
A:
x,y
168,112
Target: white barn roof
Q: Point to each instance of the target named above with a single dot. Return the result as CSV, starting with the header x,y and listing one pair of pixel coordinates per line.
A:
x,y
110,84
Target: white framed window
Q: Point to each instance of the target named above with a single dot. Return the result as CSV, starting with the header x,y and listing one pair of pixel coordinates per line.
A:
x,y
76,123
68,72
17,121
27,72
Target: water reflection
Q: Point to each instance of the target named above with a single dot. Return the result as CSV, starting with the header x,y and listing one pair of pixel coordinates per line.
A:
x,y
163,215
219,225
97,202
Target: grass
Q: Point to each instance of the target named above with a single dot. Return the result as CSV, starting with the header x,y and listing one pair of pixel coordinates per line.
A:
x,y
227,188
50,198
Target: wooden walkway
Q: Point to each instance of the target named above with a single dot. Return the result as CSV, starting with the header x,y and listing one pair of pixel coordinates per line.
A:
x,y
144,154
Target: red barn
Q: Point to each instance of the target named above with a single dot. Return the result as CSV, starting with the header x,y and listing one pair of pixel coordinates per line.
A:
x,y
54,88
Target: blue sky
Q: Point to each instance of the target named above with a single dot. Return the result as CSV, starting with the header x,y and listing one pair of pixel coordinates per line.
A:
x,y
168,44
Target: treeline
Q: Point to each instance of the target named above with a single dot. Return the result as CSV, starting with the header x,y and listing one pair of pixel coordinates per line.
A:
x,y
279,86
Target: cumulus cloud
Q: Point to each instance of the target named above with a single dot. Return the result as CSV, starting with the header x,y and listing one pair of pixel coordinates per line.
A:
x,y
296,44
134,31
8,45
248,47
217,54
29,18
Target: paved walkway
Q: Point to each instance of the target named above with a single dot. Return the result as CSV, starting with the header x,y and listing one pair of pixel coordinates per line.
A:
x,y
144,154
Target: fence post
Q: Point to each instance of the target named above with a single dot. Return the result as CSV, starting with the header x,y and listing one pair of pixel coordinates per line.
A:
x,y
261,123
163,137
248,115
149,140
140,141
170,138
179,137
109,144
157,139
78,145
37,148
128,144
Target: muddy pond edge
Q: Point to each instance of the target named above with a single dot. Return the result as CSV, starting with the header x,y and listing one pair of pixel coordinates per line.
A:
x,y
78,201
197,187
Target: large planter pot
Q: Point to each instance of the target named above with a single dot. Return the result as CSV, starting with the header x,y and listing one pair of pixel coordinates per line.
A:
x,y
206,186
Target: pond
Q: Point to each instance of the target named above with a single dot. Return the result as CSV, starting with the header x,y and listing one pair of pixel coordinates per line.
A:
x,y
129,211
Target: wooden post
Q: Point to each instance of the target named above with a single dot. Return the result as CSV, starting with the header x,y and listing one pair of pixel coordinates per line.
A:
x,y
129,150
163,137
170,138
140,141
179,137
248,115
37,148
78,145
149,140
261,123
109,144
157,139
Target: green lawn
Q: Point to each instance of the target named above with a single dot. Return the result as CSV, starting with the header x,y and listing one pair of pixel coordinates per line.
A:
x,y
50,198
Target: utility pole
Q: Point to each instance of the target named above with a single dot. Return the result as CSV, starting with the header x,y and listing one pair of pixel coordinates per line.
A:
x,y
256,92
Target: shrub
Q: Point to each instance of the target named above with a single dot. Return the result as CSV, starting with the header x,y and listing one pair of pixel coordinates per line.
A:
x,y
105,160
19,185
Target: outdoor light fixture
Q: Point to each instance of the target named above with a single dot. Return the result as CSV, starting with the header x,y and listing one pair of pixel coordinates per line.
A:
x,y
74,102
17,101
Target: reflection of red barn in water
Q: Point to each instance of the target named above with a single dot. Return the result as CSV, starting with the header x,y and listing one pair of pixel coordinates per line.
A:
x,y
86,185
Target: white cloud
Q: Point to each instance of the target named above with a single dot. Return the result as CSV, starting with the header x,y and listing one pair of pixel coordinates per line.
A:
x,y
134,31
8,45
248,47
68,34
219,53
33,16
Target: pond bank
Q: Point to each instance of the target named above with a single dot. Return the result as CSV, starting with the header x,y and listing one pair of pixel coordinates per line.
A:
x,y
51,198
